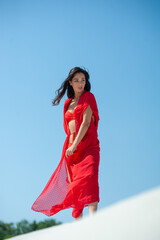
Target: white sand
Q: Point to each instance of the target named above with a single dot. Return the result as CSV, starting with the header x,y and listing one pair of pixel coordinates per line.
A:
x,y
135,218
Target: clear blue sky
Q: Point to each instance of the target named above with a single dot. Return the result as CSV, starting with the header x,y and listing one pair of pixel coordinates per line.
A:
x,y
40,41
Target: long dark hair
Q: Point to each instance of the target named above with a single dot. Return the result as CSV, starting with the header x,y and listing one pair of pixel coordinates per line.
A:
x,y
66,86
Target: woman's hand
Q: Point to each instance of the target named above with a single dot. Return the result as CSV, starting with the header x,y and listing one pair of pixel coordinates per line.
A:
x,y
70,150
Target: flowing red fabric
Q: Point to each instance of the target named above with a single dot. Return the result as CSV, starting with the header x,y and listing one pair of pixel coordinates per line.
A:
x,y
74,183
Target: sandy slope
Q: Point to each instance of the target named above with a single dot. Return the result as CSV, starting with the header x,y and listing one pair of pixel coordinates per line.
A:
x,y
137,218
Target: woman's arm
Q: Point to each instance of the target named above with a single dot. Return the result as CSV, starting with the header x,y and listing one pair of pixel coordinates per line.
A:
x,y
84,126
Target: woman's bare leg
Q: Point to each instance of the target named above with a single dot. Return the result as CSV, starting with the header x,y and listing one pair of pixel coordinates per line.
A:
x,y
92,207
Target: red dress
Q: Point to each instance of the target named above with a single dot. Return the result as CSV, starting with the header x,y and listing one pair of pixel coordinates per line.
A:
x,y
74,183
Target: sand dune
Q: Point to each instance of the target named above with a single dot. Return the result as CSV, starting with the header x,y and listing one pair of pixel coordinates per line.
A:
x,y
134,218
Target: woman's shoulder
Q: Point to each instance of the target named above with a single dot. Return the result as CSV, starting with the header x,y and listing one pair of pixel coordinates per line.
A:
x,y
67,100
89,95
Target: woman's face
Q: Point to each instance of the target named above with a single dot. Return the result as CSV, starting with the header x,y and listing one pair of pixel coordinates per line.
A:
x,y
78,82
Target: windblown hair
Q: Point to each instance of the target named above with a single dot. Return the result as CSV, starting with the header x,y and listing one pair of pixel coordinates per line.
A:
x,y
66,86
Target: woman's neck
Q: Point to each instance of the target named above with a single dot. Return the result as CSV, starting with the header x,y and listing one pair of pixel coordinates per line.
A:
x,y
77,95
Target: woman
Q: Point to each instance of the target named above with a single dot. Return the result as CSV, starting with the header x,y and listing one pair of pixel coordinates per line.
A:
x,y
74,183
